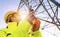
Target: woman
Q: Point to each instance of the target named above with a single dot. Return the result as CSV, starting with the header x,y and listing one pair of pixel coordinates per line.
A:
x,y
15,27
11,18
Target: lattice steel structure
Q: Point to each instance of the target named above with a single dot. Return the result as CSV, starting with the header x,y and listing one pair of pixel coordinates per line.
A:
x,y
45,10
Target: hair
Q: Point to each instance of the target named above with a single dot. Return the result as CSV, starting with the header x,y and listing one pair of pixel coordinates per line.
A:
x,y
33,20
8,19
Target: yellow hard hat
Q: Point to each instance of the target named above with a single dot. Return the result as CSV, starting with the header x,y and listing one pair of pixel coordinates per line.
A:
x,y
8,13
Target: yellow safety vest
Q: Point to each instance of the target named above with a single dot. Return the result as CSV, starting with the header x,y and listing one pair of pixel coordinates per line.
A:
x,y
22,30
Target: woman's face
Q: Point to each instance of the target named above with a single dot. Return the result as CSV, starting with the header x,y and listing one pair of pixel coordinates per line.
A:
x,y
15,18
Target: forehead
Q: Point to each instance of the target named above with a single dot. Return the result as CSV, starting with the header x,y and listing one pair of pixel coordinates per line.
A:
x,y
13,14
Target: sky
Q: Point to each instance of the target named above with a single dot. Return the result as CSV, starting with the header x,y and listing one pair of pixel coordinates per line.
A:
x,y
5,6
8,5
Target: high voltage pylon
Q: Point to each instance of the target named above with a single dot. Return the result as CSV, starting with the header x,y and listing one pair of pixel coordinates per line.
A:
x,y
55,20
